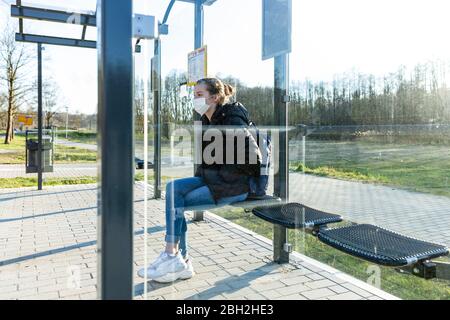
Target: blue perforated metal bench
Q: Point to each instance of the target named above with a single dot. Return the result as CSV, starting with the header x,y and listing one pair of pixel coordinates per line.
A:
x,y
295,216
364,241
381,246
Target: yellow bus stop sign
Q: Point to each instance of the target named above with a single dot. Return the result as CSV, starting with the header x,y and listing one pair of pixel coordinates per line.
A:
x,y
25,120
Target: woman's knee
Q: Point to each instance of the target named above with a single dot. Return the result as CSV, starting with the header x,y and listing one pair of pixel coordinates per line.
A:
x,y
199,197
173,184
181,184
170,186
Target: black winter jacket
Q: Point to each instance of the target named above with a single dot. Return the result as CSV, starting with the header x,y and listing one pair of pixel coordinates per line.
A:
x,y
230,178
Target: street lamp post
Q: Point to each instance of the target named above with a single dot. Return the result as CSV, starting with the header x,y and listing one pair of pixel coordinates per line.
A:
x,y
198,43
67,120
39,161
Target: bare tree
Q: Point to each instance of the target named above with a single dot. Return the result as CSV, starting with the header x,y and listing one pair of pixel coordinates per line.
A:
x,y
13,59
139,106
50,97
50,105
2,111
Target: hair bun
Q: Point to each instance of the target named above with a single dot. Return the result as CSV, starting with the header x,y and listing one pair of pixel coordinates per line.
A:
x,y
229,90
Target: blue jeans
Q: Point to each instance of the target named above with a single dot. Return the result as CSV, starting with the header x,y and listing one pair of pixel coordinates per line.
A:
x,y
188,194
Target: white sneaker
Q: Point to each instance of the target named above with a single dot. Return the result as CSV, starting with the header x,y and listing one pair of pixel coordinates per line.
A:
x,y
172,269
164,256
190,270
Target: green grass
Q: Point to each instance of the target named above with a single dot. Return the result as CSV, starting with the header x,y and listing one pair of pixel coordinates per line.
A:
x,y
344,174
88,137
139,176
20,182
64,154
422,168
14,153
405,286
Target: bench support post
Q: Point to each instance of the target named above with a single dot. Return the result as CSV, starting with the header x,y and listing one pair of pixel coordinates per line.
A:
x,y
281,176
429,270
280,255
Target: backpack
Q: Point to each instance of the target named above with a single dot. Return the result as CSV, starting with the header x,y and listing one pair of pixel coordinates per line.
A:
x,y
258,185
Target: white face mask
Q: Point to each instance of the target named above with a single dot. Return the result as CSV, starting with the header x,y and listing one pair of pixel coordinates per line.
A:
x,y
200,106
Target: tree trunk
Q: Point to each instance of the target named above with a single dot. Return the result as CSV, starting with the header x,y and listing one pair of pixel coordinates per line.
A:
x,y
9,129
9,125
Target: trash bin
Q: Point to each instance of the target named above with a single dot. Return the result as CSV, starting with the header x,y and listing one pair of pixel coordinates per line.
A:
x,y
167,129
302,129
32,155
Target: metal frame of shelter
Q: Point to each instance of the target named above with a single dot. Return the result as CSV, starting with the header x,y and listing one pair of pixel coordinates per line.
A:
x,y
115,123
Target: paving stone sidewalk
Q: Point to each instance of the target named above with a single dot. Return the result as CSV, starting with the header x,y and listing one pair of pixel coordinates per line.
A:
x,y
48,251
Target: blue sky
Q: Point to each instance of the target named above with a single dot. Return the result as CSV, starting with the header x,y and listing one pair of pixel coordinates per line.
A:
x,y
329,37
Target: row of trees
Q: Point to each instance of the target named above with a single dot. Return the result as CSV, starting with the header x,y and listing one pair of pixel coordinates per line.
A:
x,y
58,118
417,96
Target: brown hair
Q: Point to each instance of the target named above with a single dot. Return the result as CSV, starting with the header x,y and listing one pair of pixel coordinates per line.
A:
x,y
216,86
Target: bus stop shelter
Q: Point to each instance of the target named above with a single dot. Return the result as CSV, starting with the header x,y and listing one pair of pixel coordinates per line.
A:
x,y
118,35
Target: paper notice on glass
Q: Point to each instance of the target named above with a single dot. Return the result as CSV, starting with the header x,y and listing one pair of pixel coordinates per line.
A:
x,y
197,65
